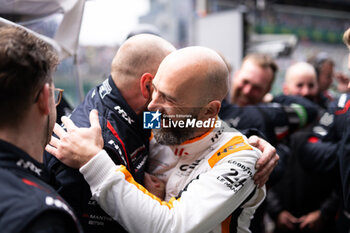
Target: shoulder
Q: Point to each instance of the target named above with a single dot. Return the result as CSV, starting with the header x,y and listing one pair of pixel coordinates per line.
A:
x,y
52,221
26,198
233,145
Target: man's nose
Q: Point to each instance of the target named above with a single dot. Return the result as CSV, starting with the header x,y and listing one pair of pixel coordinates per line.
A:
x,y
305,91
154,104
246,89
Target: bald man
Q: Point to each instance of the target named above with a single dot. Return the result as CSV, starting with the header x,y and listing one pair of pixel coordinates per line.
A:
x,y
299,201
209,185
301,80
120,100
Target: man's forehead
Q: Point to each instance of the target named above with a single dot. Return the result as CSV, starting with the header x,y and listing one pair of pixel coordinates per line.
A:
x,y
306,77
165,85
256,74
181,89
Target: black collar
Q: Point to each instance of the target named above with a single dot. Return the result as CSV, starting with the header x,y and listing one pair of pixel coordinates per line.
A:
x,y
12,157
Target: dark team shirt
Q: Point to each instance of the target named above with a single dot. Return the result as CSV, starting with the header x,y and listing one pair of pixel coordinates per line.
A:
x,y
275,120
126,142
328,148
27,202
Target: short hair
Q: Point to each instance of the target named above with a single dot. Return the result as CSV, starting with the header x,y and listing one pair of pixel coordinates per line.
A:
x,y
264,61
144,29
346,38
26,65
138,55
318,60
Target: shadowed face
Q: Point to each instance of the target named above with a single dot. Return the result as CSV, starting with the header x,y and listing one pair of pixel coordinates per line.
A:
x,y
250,84
303,85
325,76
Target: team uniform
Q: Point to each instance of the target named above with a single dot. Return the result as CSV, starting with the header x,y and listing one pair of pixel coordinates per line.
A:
x,y
28,203
328,148
125,141
275,120
209,186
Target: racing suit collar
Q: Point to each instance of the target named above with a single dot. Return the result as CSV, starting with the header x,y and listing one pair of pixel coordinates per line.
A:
x,y
116,101
13,157
200,143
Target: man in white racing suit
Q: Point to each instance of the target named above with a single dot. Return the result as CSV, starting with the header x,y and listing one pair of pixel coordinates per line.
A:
x,y
212,167
208,170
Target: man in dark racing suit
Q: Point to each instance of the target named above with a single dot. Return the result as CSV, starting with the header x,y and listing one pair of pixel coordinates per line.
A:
x,y
27,117
120,101
328,147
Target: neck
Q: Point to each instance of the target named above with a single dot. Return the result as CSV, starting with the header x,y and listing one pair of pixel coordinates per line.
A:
x,y
133,97
27,137
201,133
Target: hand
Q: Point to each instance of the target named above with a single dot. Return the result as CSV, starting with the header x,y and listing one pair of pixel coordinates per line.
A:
x,y
286,220
268,98
266,163
154,185
311,221
78,145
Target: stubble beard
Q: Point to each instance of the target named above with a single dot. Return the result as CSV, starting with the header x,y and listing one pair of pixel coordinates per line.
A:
x,y
174,136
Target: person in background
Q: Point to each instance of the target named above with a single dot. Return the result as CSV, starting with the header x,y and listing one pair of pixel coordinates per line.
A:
x,y
324,67
275,120
303,201
28,100
301,80
327,147
253,80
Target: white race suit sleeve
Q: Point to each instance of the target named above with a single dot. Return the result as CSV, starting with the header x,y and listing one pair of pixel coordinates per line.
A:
x,y
204,204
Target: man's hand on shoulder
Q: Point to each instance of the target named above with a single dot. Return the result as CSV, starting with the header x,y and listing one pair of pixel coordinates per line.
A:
x,y
266,163
76,146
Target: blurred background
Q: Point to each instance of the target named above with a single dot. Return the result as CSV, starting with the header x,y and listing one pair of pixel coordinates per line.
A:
x,y
88,33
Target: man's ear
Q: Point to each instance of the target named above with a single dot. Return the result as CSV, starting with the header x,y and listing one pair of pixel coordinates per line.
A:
x,y
146,85
44,99
211,110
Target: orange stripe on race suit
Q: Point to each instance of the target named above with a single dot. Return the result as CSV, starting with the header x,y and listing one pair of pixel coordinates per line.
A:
x,y
130,179
225,225
235,144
